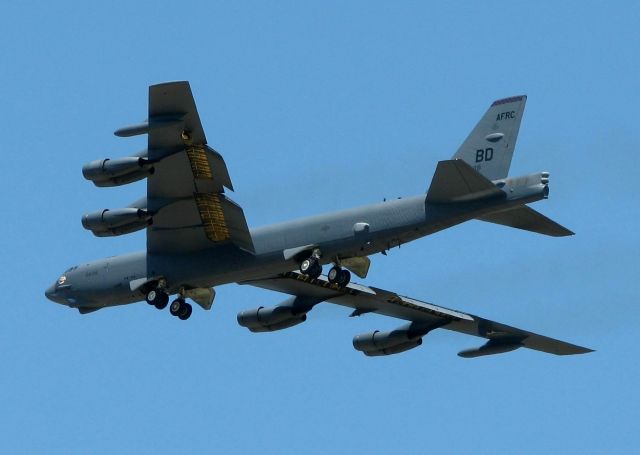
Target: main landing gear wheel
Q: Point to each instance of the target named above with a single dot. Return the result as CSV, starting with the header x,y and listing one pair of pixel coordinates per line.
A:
x,y
157,298
185,312
311,267
181,309
338,275
344,278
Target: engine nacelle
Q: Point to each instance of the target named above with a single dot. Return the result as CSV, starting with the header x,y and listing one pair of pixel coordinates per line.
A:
x,y
292,311
392,342
106,223
263,319
117,172
385,343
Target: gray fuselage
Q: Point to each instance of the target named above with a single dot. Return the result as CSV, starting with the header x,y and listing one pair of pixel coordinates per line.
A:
x,y
361,231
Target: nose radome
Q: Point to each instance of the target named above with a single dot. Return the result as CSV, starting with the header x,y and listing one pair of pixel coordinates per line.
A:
x,y
51,290
52,295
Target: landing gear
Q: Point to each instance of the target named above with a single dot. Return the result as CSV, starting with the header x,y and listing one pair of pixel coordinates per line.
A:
x,y
180,308
338,275
311,267
157,298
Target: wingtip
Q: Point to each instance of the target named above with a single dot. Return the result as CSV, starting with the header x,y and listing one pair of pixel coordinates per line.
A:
x,y
565,233
577,350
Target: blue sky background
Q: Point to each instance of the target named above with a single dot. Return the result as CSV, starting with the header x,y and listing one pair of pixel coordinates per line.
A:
x,y
318,106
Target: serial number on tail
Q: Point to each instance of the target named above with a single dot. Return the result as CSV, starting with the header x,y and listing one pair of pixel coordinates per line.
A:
x,y
484,155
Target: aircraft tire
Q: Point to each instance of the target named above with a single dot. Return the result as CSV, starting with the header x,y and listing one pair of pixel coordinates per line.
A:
x,y
344,277
176,307
307,265
315,271
185,311
161,301
157,298
151,297
334,275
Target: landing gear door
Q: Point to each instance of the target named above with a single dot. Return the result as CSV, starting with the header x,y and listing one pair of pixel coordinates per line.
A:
x,y
358,265
202,296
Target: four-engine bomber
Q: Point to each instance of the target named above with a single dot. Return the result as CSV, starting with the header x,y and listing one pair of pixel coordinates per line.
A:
x,y
198,238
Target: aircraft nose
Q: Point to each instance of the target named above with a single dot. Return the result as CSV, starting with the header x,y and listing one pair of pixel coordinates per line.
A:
x,y
53,295
50,292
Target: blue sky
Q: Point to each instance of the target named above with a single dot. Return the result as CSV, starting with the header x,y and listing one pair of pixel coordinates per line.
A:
x,y
318,106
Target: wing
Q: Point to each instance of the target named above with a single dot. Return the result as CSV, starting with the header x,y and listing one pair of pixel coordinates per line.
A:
x,y
364,299
186,190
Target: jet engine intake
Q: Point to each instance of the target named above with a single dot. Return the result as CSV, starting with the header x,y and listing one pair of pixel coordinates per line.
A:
x,y
106,223
291,312
118,171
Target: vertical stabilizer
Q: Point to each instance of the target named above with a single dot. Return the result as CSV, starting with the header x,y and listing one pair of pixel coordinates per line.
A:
x,y
489,147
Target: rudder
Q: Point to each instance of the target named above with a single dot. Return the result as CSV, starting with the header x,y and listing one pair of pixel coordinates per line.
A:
x,y
490,145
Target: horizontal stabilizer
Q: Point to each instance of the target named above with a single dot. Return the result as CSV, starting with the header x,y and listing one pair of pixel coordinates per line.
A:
x,y
456,181
527,219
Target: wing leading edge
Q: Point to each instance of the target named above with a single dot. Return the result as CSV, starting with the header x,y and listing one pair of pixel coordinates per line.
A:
x,y
364,299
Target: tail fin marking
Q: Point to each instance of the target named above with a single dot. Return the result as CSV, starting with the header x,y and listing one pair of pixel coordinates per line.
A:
x,y
490,145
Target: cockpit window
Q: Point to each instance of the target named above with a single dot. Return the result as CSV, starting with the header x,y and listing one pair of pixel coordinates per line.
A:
x,y
71,269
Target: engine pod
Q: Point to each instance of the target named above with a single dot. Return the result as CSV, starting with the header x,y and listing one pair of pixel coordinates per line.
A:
x,y
106,223
120,171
